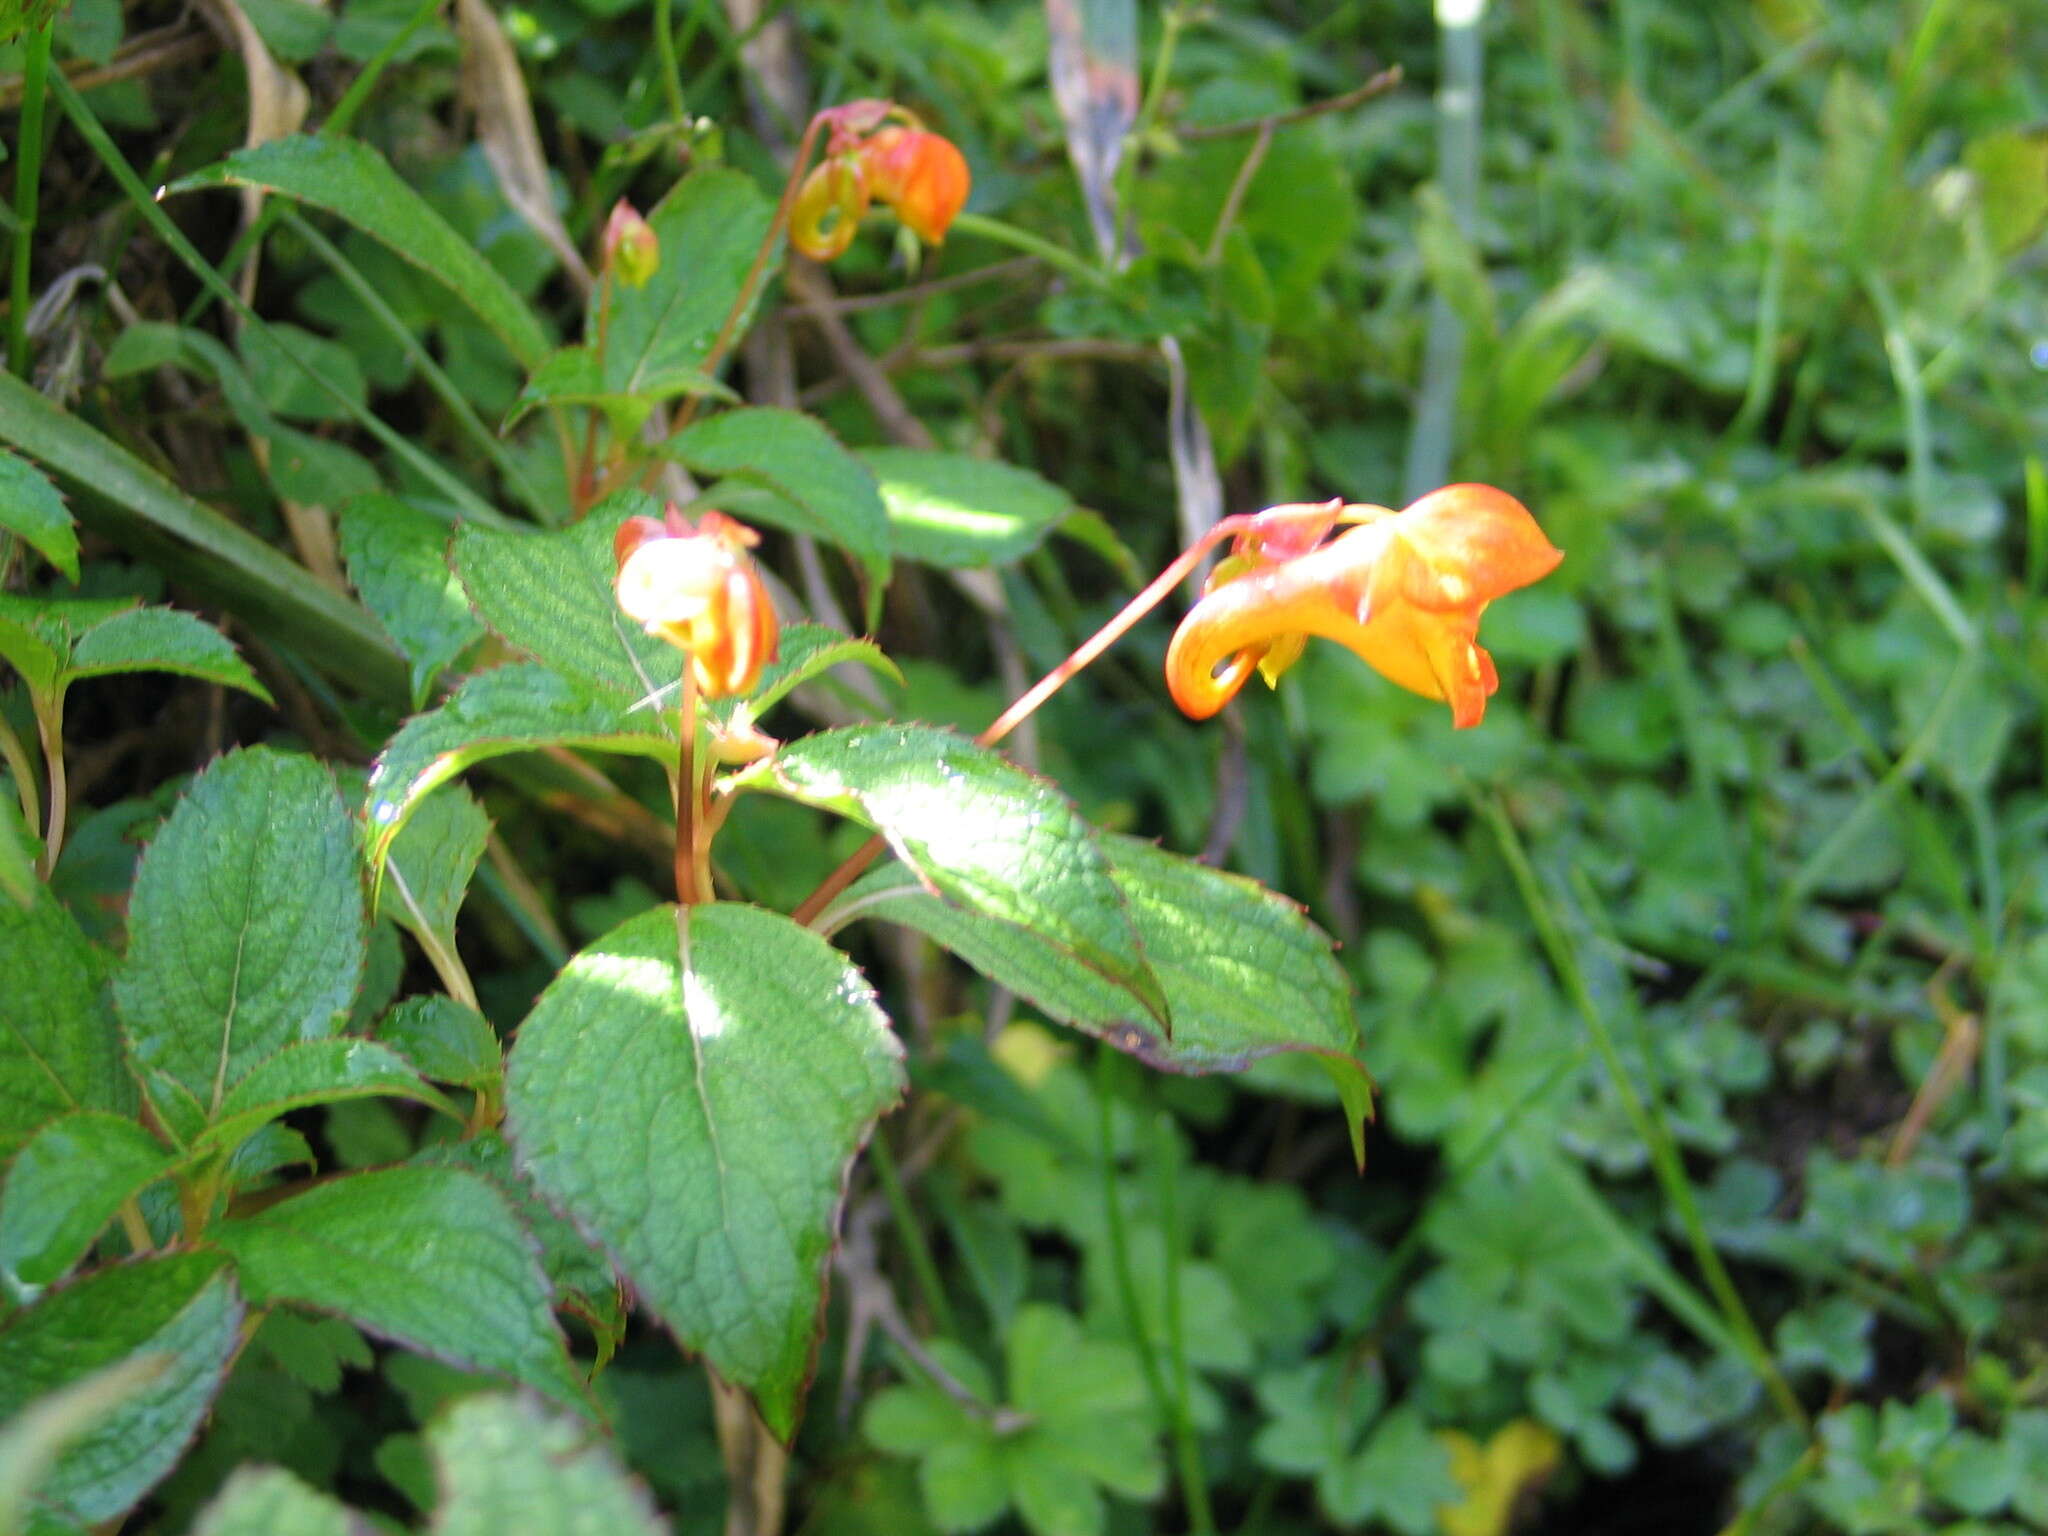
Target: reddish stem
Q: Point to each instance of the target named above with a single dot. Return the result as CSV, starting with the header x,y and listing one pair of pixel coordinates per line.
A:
x,y
687,892
722,342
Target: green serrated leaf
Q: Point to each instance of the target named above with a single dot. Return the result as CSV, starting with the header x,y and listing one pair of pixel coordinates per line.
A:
x,y
312,1350
398,559
710,226
989,837
813,483
446,1041
269,1501
161,640
551,596
66,1184
572,377
515,708
949,509
182,1309
691,1089
246,928
428,865
805,651
35,638
431,1257
59,1048
506,1464
1244,972
32,510
349,178
31,1441
582,1276
310,1072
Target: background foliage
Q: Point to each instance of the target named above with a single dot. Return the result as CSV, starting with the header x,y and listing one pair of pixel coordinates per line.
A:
x,y
1705,985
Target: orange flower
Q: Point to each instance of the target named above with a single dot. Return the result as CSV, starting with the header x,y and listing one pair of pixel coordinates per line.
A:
x,y
696,589
829,207
919,174
1404,590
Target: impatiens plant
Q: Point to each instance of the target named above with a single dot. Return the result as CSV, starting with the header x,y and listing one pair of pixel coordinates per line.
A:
x,y
683,1103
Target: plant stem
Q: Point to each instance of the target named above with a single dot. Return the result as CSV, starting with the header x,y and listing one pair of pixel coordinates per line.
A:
x,y
688,893
15,756
443,387
50,727
671,67
1194,1481
1193,1492
28,170
1037,245
1027,703
1457,149
923,1268
134,1228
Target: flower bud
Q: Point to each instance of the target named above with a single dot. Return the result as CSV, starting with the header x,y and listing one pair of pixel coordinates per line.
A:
x,y
631,249
697,589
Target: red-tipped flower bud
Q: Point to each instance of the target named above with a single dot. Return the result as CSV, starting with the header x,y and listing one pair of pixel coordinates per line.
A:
x,y
631,250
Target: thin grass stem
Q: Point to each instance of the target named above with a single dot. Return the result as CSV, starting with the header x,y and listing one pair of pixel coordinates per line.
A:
x,y
28,171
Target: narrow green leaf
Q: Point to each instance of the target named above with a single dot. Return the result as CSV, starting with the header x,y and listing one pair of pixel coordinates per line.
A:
x,y
1245,973
246,928
31,1441
66,1184
506,1464
301,467
692,1089
182,1309
350,179
949,509
35,637
315,1072
446,1041
430,1257
710,225
398,559
269,1501
428,865
813,484
983,833
31,509
551,596
59,1049
162,640
508,709
213,558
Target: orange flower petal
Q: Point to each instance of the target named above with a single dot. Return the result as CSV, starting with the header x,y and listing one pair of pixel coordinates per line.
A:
x,y
919,174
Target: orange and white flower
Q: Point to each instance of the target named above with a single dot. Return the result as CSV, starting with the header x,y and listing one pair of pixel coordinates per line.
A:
x,y
697,589
1402,590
